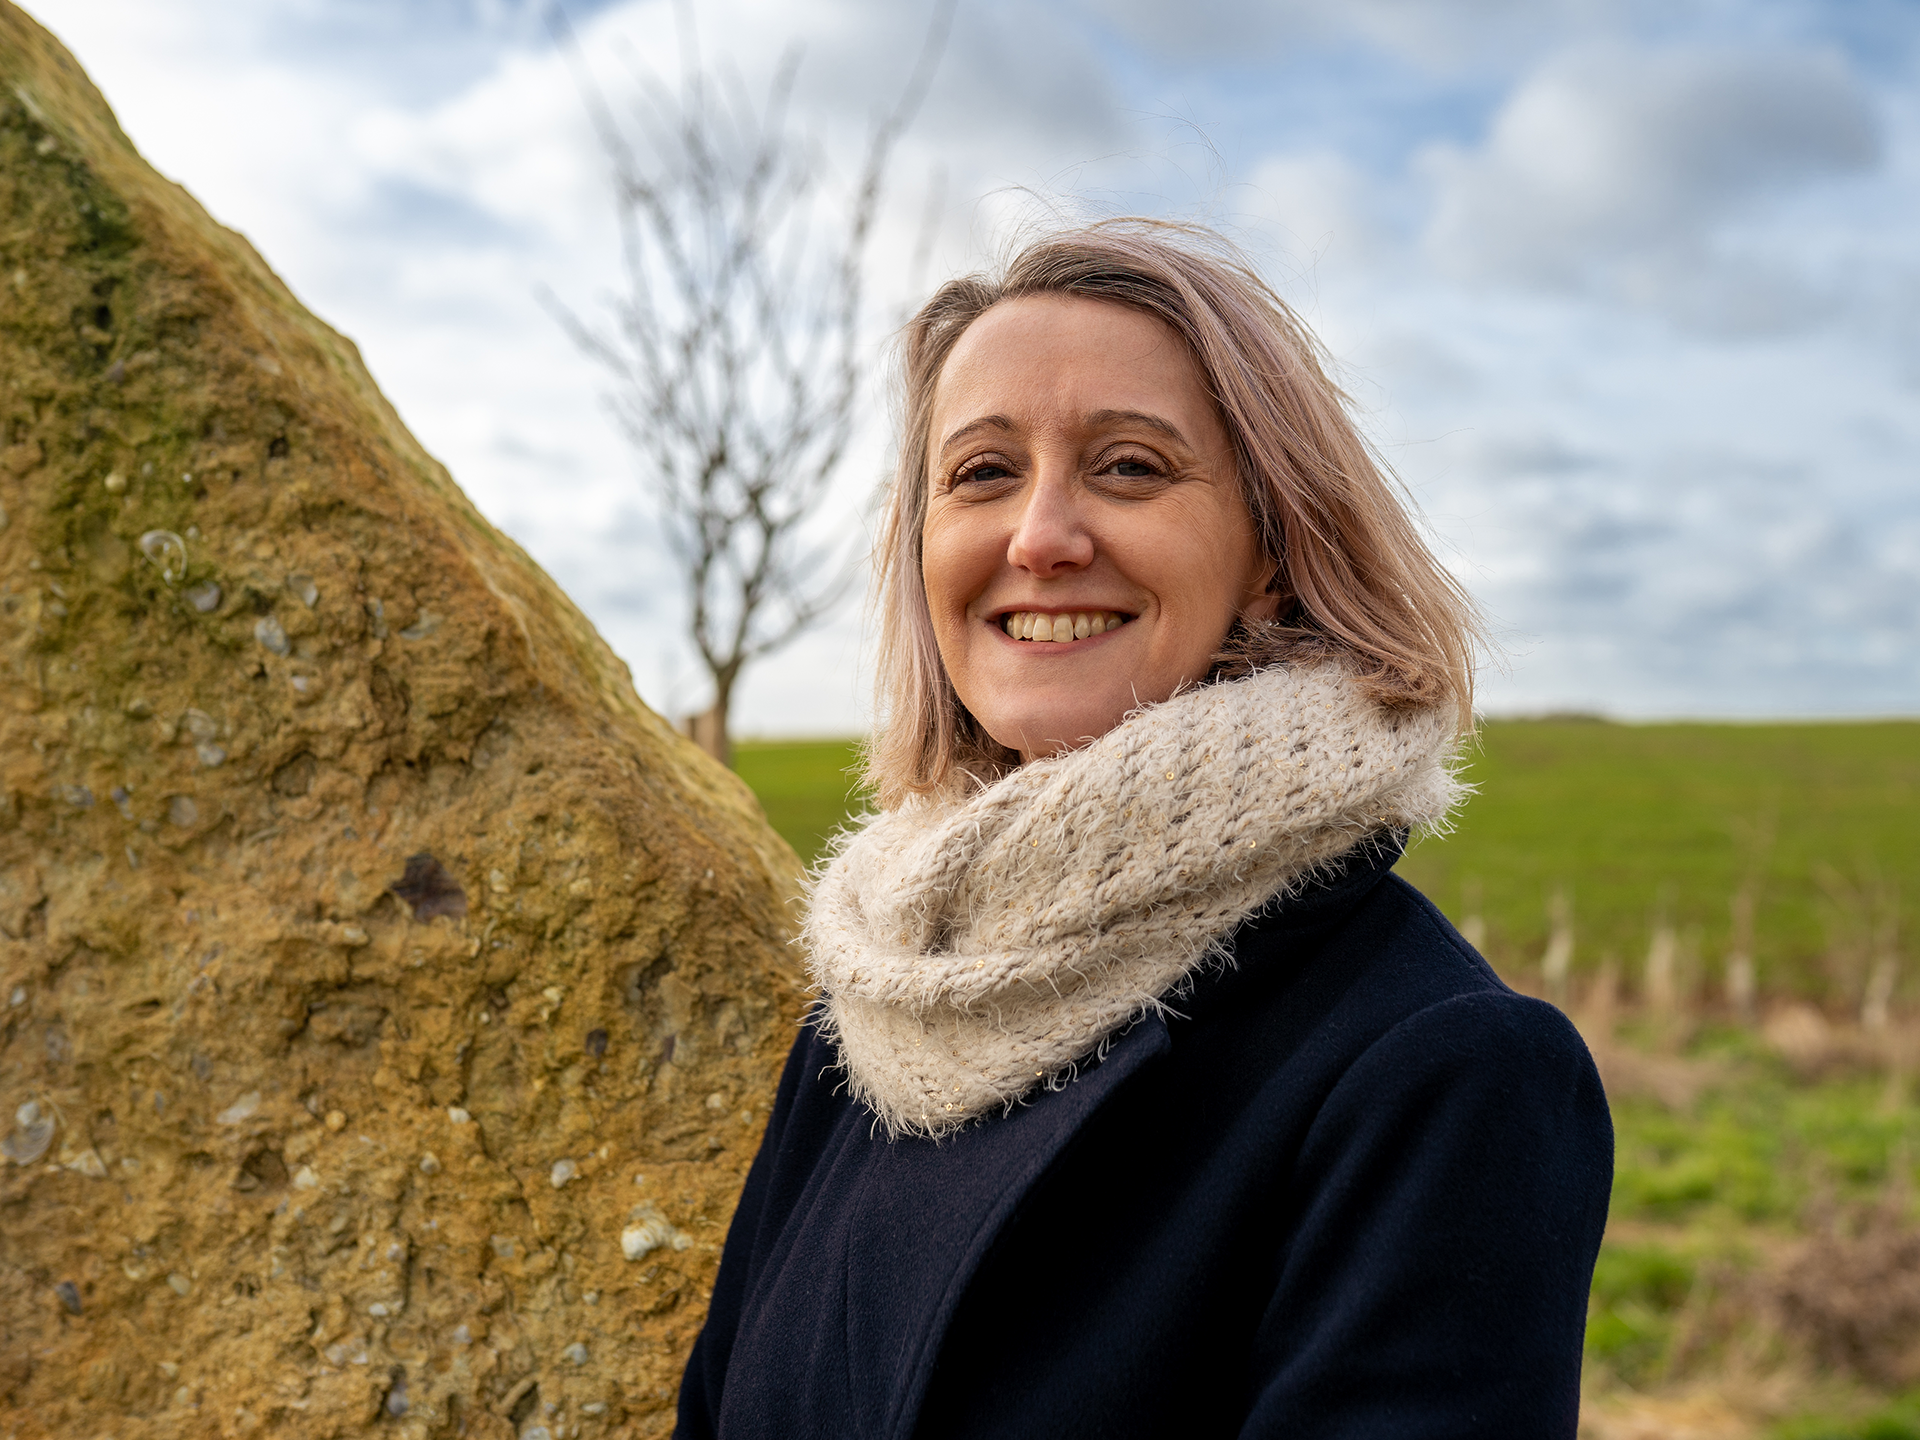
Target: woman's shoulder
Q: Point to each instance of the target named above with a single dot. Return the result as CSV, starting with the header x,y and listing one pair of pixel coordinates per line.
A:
x,y
1362,926
1417,970
1367,975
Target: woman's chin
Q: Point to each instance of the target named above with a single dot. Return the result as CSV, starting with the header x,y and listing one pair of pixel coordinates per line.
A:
x,y
1039,733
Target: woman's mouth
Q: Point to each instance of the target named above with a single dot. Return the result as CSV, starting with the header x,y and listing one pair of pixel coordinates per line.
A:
x,y
1060,626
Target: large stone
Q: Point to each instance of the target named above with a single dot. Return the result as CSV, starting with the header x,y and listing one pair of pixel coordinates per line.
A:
x,y
389,1001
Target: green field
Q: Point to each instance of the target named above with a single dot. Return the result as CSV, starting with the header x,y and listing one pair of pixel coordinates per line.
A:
x,y
1737,1151
1640,822
806,787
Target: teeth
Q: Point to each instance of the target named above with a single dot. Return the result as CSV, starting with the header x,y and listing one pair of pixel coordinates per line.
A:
x,y
1061,627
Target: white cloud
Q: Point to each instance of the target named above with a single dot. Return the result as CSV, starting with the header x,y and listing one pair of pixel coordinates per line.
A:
x,y
1742,556
1427,32
1318,206
1622,171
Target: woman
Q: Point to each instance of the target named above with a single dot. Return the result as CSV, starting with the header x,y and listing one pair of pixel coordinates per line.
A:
x,y
1140,1098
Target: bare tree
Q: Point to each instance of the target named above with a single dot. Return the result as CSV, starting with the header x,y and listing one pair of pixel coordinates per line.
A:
x,y
734,345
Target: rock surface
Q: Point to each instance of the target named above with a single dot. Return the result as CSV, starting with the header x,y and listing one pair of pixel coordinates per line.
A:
x,y
389,1002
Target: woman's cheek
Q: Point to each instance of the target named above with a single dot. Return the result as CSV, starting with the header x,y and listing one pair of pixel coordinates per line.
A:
x,y
957,562
936,566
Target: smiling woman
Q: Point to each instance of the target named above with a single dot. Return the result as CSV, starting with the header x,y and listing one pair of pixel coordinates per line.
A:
x,y
1119,372
1084,480
1141,1099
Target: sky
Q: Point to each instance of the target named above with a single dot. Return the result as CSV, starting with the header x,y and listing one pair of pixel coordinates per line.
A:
x,y
1627,293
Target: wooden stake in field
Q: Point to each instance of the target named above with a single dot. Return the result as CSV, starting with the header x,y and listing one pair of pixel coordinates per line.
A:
x,y
1557,963
1660,991
1740,972
1885,974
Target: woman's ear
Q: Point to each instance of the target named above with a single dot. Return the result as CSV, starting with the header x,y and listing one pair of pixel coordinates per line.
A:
x,y
1269,596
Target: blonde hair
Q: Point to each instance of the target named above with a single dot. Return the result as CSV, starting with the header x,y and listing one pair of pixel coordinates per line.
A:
x,y
1354,575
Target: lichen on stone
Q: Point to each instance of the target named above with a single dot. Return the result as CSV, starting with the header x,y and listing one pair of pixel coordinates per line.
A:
x,y
402,899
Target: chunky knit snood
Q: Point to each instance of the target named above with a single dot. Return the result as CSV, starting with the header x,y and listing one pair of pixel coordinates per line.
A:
x,y
969,951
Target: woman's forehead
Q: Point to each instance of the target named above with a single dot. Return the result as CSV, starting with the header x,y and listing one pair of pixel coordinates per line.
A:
x,y
1055,355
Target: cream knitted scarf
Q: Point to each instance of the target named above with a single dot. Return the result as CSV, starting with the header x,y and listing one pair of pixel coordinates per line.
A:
x,y
971,950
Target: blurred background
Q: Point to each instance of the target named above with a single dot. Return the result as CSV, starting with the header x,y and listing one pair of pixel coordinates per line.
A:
x,y
1628,293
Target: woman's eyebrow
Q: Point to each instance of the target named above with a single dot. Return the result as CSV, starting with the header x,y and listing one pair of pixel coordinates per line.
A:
x,y
986,422
1002,424
1137,417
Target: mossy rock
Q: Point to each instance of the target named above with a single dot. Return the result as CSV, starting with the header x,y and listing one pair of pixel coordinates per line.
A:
x,y
371,958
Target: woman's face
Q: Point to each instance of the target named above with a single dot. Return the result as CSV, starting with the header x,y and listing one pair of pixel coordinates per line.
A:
x,y
1083,494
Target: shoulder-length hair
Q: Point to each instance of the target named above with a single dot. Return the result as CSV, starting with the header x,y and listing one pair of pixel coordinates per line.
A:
x,y
1354,576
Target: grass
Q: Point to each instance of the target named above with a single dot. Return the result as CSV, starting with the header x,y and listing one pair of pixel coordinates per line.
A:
x,y
1897,1421
1648,823
1761,1222
1735,1150
806,787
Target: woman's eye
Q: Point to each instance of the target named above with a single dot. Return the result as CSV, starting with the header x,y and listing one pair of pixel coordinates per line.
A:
x,y
1133,469
988,473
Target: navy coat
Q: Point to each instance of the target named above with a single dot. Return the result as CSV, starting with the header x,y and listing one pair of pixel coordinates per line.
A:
x,y
1354,1188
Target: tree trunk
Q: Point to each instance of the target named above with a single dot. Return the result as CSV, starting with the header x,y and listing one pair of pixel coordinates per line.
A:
x,y
708,730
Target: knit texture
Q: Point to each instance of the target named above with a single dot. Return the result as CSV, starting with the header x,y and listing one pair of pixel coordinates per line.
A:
x,y
968,951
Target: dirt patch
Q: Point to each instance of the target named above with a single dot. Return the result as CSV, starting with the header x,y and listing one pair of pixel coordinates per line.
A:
x,y
1650,1417
1851,1294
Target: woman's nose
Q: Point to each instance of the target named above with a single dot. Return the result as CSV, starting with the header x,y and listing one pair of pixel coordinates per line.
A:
x,y
1051,535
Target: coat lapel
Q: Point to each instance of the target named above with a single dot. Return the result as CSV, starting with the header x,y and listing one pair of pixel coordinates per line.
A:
x,y
931,1211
